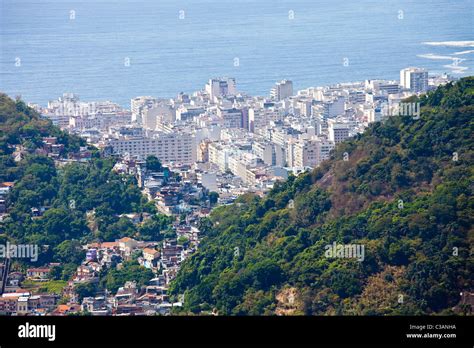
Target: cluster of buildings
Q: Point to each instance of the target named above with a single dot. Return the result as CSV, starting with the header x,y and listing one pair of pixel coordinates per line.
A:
x,y
15,300
162,258
71,113
233,142
223,140
50,147
26,303
131,300
175,192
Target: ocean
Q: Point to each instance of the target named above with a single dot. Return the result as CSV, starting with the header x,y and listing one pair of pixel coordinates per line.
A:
x,y
118,49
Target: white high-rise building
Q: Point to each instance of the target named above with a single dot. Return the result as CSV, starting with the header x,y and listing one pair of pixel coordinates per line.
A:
x,y
304,107
221,87
173,147
257,119
282,90
414,79
382,86
149,118
265,151
219,155
334,108
311,152
338,131
231,118
188,112
138,105
325,148
305,153
156,114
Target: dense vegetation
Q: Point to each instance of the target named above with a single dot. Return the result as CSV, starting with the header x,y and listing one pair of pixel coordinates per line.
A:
x,y
82,201
21,125
403,189
131,271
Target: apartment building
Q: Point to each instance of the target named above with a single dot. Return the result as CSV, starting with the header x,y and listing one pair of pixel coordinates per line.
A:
x,y
174,147
334,108
414,79
265,151
383,86
338,131
311,152
221,87
230,118
282,90
99,121
158,114
218,155
139,105
259,118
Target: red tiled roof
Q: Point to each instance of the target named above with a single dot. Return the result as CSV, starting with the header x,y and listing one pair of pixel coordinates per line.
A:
x,y
150,251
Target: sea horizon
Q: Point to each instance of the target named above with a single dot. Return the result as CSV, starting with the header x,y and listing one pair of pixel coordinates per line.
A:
x,y
103,52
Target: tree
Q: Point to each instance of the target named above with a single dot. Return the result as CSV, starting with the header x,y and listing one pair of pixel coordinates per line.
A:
x,y
55,273
182,240
131,271
213,197
85,290
70,251
68,270
153,164
309,206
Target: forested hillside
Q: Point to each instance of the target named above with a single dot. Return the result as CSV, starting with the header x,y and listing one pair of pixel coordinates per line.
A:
x,y
403,190
21,125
